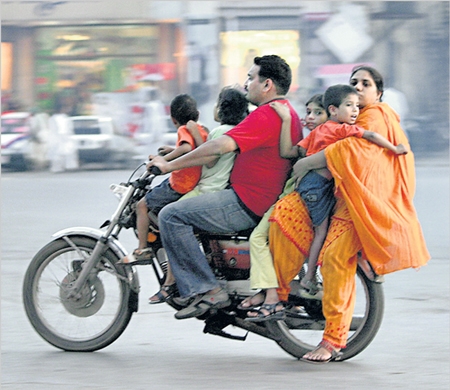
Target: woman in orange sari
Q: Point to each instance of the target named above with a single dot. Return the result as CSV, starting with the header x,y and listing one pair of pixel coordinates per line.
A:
x,y
374,214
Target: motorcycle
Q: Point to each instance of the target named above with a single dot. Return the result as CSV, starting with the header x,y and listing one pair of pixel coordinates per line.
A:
x,y
78,298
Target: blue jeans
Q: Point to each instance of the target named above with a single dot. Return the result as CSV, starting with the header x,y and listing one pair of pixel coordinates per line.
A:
x,y
318,194
160,196
216,212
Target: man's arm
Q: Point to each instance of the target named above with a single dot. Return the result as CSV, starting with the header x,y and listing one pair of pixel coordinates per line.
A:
x,y
204,154
384,143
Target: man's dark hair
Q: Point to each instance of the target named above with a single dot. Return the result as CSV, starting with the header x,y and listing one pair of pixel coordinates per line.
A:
x,y
232,105
183,108
275,68
335,95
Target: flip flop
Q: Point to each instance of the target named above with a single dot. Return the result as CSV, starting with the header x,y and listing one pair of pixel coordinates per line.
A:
x,y
272,315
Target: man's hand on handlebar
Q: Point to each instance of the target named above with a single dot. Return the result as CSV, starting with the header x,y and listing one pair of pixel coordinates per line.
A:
x,y
158,162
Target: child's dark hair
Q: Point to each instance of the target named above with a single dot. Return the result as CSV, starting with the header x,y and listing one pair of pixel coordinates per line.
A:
x,y
335,95
275,68
232,106
317,99
183,108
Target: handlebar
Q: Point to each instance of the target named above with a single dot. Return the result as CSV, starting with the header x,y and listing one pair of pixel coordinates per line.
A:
x,y
147,177
155,171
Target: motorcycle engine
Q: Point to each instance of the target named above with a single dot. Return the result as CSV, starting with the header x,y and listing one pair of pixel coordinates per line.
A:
x,y
230,259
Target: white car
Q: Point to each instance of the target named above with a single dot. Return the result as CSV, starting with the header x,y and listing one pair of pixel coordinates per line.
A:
x,y
23,147
97,140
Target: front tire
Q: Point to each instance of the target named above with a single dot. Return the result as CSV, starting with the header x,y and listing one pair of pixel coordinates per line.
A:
x,y
297,337
92,321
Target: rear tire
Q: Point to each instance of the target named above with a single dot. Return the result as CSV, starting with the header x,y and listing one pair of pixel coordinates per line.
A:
x,y
297,341
89,323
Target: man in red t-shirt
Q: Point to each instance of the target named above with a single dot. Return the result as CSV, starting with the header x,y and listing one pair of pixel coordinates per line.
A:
x,y
257,178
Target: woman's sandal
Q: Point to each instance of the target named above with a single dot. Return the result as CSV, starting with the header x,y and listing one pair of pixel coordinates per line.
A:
x,y
160,297
247,305
335,354
272,313
311,287
138,257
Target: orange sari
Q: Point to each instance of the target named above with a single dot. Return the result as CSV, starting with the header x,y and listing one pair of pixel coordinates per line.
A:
x,y
374,213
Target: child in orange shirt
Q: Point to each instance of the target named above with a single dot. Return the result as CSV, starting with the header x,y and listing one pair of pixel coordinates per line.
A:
x,y
317,187
183,109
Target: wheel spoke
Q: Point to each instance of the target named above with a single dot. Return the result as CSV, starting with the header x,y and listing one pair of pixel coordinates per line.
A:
x,y
98,312
304,325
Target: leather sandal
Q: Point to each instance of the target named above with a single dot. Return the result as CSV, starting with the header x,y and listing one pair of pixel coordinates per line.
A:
x,y
311,287
247,301
336,355
138,257
160,297
204,302
272,313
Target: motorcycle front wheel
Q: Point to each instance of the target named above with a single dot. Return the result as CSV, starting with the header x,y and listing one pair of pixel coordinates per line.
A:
x,y
97,317
303,328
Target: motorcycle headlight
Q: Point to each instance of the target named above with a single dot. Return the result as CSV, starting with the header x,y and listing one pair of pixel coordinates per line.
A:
x,y
118,190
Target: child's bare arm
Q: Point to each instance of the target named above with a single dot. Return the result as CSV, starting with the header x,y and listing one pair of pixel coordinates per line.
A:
x,y
287,150
179,151
163,150
192,127
383,142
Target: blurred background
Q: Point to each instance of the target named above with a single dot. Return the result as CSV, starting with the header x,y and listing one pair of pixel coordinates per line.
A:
x,y
97,76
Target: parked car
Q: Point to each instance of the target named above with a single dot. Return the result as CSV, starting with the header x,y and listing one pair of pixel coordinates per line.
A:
x,y
23,142
99,141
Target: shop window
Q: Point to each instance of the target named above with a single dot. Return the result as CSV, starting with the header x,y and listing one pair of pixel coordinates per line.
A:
x,y
7,62
240,47
73,62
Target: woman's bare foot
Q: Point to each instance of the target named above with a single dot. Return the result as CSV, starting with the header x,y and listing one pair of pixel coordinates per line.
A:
x,y
324,353
319,354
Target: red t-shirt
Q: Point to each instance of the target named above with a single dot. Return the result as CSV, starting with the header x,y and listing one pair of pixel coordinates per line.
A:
x,y
328,133
259,172
185,180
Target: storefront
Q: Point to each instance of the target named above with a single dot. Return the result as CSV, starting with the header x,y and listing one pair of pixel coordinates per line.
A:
x,y
74,62
247,32
7,58
238,49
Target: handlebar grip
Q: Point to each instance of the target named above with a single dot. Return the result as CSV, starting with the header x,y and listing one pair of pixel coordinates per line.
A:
x,y
155,171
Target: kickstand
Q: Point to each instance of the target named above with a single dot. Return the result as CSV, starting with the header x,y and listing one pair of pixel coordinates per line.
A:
x,y
212,328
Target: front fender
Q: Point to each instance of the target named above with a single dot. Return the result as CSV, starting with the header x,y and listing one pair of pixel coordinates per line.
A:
x,y
113,244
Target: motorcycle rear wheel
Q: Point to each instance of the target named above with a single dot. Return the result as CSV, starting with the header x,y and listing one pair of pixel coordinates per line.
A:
x,y
89,323
367,318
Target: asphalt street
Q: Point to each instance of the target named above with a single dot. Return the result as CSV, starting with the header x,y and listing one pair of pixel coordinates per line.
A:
x,y
157,351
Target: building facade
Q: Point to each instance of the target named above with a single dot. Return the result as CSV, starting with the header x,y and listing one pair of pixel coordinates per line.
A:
x,y
60,53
